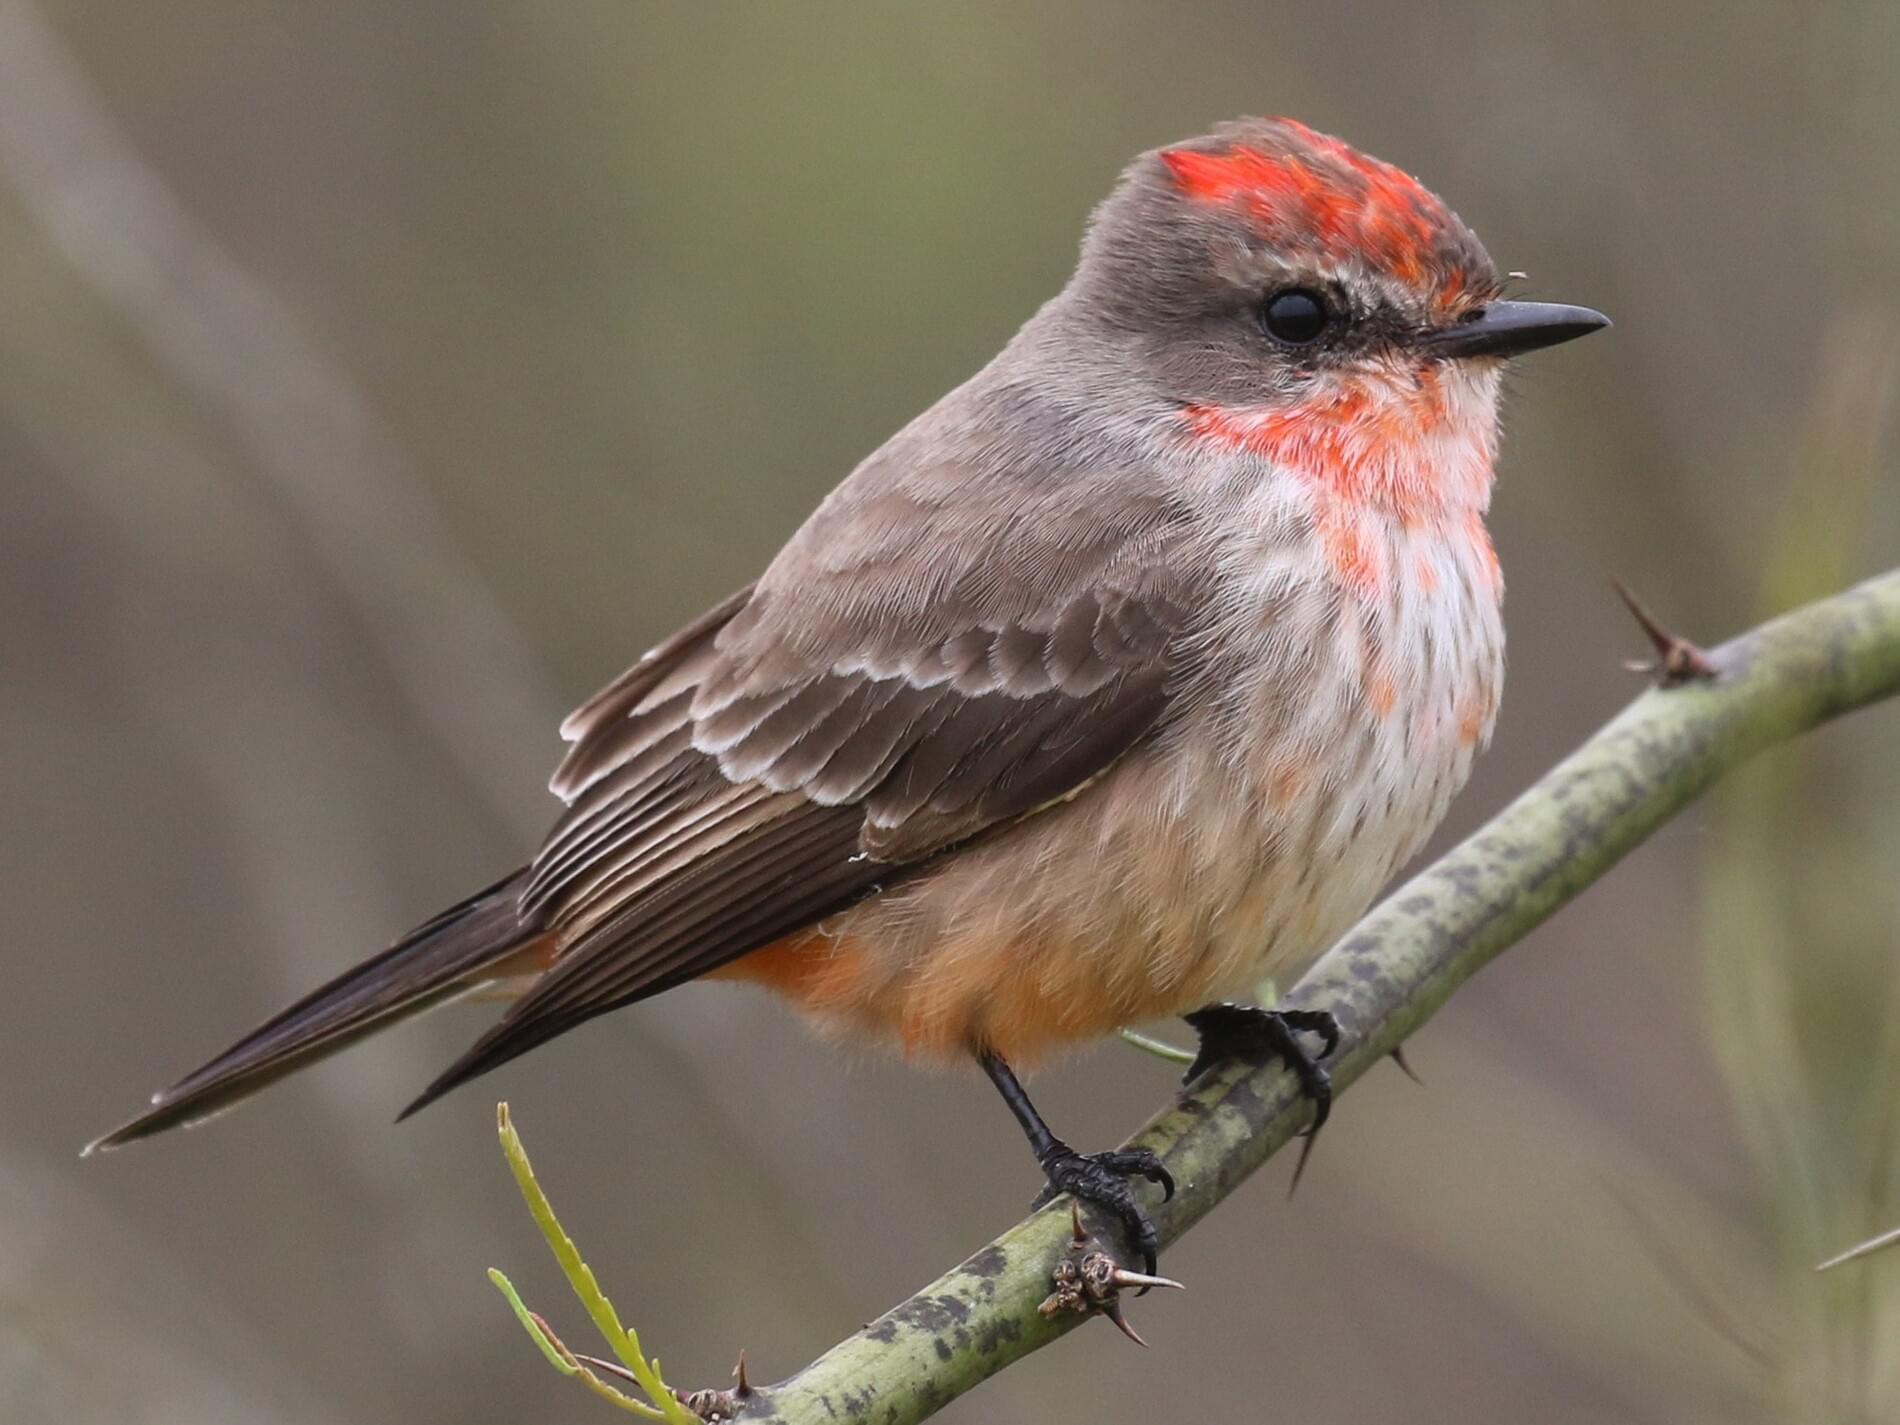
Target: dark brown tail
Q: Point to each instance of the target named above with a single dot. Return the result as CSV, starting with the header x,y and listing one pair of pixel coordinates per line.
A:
x,y
433,963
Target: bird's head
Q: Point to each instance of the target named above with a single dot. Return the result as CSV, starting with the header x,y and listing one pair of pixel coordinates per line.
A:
x,y
1288,292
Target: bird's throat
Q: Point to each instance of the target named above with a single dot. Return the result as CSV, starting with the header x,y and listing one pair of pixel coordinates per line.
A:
x,y
1416,442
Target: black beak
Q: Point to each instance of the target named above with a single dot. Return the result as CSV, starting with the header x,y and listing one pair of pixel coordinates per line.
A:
x,y
1513,328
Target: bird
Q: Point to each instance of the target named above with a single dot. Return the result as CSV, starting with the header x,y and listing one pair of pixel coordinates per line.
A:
x,y
1117,682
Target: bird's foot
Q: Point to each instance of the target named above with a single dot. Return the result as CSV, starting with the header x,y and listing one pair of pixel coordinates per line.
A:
x,y
1102,1179
1238,1031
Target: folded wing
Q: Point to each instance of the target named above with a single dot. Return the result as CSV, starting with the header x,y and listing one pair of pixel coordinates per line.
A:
x,y
922,664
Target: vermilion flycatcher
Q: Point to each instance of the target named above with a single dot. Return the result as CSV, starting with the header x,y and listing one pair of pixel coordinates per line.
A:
x,y
1120,679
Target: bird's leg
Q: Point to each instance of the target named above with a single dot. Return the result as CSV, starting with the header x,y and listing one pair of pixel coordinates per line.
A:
x,y
1239,1031
1099,1178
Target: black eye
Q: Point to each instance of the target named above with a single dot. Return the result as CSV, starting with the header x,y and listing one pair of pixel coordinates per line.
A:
x,y
1295,316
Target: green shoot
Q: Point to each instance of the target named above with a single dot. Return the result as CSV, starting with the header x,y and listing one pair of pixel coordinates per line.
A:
x,y
661,1403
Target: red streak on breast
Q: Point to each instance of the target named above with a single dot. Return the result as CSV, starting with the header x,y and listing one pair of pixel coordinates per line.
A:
x,y
1474,714
1381,695
1354,558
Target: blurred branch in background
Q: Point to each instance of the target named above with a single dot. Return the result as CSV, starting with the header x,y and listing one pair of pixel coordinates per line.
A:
x,y
1383,980
1885,1240
460,663
1801,974
311,440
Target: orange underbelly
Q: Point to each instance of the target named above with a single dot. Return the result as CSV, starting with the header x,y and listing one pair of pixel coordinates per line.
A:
x,y
1020,1001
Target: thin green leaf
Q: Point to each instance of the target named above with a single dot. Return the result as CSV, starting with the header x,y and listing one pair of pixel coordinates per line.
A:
x,y
555,1355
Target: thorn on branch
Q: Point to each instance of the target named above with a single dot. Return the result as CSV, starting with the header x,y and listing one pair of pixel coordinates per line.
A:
x,y
1307,1139
1398,1057
719,1405
1090,1281
1677,660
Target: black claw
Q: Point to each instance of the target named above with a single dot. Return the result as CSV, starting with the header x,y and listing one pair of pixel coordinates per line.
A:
x,y
1317,1085
1102,1179
1139,1162
1312,1021
1234,1031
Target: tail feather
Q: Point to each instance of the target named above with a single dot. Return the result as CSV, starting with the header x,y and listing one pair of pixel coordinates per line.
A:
x,y
451,954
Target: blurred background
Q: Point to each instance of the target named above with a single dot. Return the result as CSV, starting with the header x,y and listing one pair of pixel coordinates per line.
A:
x,y
376,380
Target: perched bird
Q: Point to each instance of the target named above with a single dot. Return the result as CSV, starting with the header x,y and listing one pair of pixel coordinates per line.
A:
x,y
1117,681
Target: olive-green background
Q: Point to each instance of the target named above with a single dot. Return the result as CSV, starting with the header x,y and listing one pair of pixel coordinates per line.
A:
x,y
377,378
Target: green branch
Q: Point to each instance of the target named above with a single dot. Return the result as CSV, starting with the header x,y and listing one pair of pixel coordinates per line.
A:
x,y
1386,978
